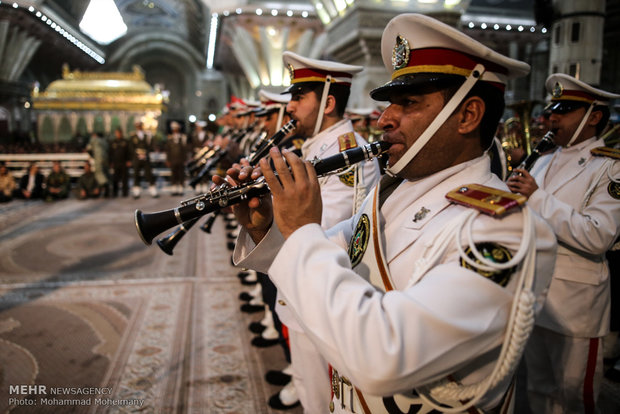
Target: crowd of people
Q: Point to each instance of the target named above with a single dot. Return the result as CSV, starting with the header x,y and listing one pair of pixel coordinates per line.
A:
x,y
107,172
415,281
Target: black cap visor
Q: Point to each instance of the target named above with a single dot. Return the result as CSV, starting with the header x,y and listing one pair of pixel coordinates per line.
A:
x,y
564,107
417,83
265,112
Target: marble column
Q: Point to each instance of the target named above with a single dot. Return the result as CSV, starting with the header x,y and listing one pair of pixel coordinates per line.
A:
x,y
577,39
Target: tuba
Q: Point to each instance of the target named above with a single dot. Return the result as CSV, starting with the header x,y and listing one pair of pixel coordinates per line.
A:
x,y
517,132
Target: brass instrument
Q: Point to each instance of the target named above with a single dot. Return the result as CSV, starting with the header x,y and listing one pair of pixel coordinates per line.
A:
x,y
518,133
523,109
151,224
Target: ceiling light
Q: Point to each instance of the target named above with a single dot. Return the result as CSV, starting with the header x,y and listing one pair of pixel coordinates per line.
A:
x,y
103,22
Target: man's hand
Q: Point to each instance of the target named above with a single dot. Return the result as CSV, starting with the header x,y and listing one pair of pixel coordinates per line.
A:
x,y
522,182
255,214
296,195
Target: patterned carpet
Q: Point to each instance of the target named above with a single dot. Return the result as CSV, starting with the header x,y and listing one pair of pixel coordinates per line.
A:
x,y
94,321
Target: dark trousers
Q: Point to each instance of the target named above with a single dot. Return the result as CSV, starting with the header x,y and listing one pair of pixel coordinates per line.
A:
x,y
120,177
177,174
148,173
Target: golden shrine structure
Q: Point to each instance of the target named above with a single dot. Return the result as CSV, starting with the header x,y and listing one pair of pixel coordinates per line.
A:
x,y
84,102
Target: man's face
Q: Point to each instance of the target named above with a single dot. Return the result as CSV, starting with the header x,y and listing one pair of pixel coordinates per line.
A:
x,y
304,108
404,121
269,123
566,125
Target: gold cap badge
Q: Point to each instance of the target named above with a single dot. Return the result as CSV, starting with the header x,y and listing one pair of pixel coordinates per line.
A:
x,y
400,53
557,90
291,71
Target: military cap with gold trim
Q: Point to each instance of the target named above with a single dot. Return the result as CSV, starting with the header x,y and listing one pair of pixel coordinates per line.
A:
x,y
271,102
303,70
569,94
418,49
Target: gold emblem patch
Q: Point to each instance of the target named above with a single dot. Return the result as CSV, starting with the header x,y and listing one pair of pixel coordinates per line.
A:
x,y
348,179
400,53
359,241
495,253
614,190
558,89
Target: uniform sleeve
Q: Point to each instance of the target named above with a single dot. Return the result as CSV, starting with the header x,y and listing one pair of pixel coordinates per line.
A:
x,y
257,256
592,230
363,331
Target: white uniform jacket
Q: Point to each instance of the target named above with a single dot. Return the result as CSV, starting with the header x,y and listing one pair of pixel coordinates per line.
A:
x,y
449,320
575,197
338,198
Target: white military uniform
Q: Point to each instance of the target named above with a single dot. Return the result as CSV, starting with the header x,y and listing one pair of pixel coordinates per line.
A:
x,y
310,370
447,320
582,205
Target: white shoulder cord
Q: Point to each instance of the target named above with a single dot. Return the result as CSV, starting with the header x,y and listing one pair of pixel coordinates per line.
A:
x,y
359,188
520,322
609,174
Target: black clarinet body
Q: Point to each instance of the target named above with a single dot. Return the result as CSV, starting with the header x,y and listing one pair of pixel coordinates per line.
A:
x,y
274,141
546,143
149,225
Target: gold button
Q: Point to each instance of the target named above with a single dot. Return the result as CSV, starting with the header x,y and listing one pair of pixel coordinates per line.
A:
x,y
281,302
331,407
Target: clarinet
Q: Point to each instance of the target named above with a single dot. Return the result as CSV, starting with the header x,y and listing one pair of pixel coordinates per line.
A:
x,y
274,141
545,144
149,225
168,242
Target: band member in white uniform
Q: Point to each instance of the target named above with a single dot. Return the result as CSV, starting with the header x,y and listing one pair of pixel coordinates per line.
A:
x,y
319,94
578,193
392,297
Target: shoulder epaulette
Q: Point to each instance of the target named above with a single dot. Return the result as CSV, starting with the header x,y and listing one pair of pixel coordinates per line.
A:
x,y
488,200
347,141
606,152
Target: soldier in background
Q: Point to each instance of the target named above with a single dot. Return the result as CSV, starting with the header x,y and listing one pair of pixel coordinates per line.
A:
x,y
31,184
120,162
176,156
98,149
7,184
87,186
140,145
57,183
200,136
